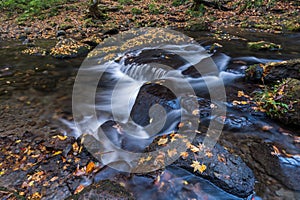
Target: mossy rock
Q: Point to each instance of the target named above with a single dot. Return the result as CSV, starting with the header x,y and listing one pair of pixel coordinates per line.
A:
x,y
263,45
69,48
274,71
282,102
199,25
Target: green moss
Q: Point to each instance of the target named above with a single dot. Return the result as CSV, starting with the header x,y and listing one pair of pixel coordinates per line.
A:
x,y
263,45
136,11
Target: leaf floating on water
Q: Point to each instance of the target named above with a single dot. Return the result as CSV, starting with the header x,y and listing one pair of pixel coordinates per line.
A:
x,y
162,141
172,152
90,167
208,154
181,124
194,149
266,128
221,158
184,154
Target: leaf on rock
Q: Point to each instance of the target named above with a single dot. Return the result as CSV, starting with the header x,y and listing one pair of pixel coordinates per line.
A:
x,y
162,141
198,167
90,167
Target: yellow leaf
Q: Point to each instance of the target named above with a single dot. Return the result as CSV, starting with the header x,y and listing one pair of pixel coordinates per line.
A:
x,y
198,167
90,167
243,102
57,153
240,93
162,141
62,137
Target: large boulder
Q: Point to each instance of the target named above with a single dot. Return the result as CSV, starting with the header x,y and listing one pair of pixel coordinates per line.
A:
x,y
225,170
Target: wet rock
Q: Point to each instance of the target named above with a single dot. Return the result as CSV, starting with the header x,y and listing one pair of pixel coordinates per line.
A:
x,y
69,48
150,95
58,144
60,193
286,169
112,31
104,190
225,170
157,56
117,133
274,71
93,40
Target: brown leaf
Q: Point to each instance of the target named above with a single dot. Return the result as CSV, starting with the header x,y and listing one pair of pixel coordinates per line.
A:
x,y
79,189
90,167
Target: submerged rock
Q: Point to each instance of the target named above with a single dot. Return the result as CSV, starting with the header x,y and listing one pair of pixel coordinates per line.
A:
x,y
263,45
69,48
274,71
104,190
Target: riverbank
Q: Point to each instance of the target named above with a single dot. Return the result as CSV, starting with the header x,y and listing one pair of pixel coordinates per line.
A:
x,y
74,18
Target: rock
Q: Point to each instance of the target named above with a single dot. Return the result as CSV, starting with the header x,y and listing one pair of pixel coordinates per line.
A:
x,y
223,169
263,45
274,71
199,25
286,169
104,190
148,96
93,40
60,33
112,31
69,48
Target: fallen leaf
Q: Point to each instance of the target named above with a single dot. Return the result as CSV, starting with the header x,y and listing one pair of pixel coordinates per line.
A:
x,y
240,93
194,148
172,153
184,154
162,141
198,167
79,189
62,137
90,167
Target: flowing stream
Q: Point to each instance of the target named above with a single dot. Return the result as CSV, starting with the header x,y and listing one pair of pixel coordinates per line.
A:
x,y
121,79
